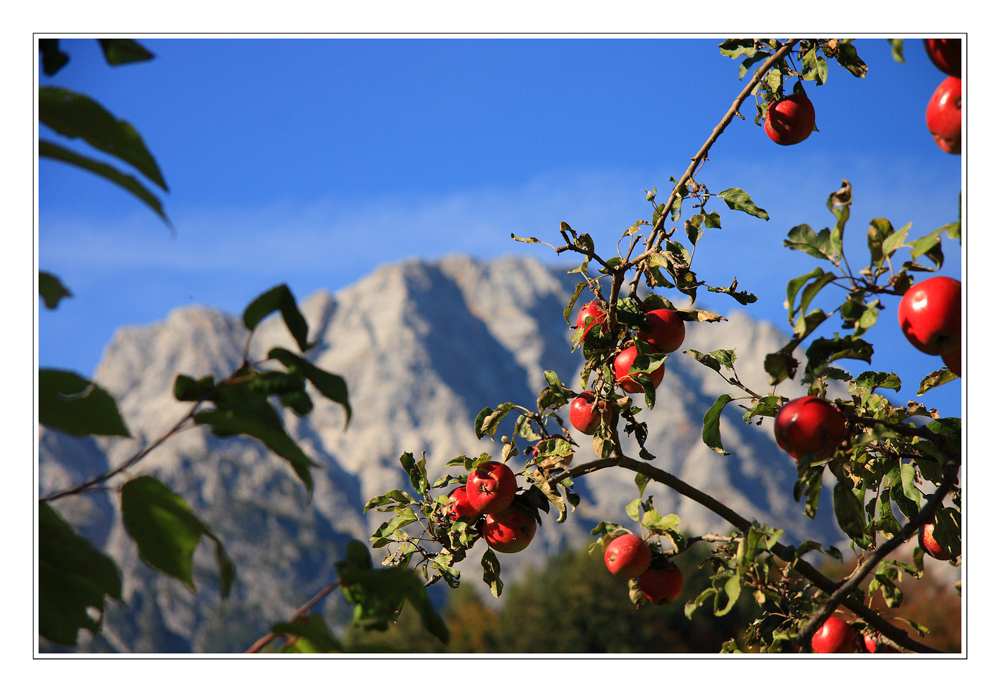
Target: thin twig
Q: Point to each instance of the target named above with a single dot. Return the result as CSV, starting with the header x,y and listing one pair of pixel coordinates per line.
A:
x,y
271,636
699,158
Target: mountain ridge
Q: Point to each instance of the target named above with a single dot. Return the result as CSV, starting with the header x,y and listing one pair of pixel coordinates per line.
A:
x,y
423,346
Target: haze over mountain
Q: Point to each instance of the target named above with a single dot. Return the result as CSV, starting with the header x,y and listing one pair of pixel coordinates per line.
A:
x,y
423,346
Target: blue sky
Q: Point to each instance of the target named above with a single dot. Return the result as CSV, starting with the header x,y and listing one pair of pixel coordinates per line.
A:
x,y
312,161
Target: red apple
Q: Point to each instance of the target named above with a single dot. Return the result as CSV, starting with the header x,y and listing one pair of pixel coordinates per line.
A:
x,y
491,488
627,556
946,54
584,416
953,359
511,530
666,330
835,637
790,120
930,315
809,425
926,539
944,115
661,585
460,507
594,310
623,362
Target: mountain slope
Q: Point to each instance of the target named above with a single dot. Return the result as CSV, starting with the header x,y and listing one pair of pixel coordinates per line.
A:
x,y
423,346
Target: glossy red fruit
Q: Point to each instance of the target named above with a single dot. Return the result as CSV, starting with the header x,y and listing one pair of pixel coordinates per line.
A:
x,y
623,362
460,507
661,585
491,488
926,539
627,556
594,310
511,530
946,54
953,359
930,315
790,120
944,115
584,417
666,330
835,637
809,425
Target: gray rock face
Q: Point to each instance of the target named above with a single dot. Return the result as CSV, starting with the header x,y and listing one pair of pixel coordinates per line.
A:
x,y
424,346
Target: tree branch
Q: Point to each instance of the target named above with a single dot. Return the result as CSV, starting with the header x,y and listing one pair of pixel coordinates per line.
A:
x,y
804,568
950,477
655,236
271,636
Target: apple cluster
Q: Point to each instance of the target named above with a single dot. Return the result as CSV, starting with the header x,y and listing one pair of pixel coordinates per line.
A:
x,y
665,334
944,111
628,556
490,493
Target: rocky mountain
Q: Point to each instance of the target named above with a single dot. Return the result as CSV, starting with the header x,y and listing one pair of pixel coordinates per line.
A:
x,y
423,346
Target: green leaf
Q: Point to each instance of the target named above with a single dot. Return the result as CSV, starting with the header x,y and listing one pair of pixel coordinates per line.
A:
x,y
121,51
53,59
572,301
848,58
50,150
279,299
167,531
894,241
738,200
936,379
78,116
379,595
488,420
849,512
187,388
491,572
333,387
51,289
417,472
308,636
897,49
736,47
710,433
820,245
878,230
73,577
707,360
780,366
732,590
814,66
75,405
258,420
